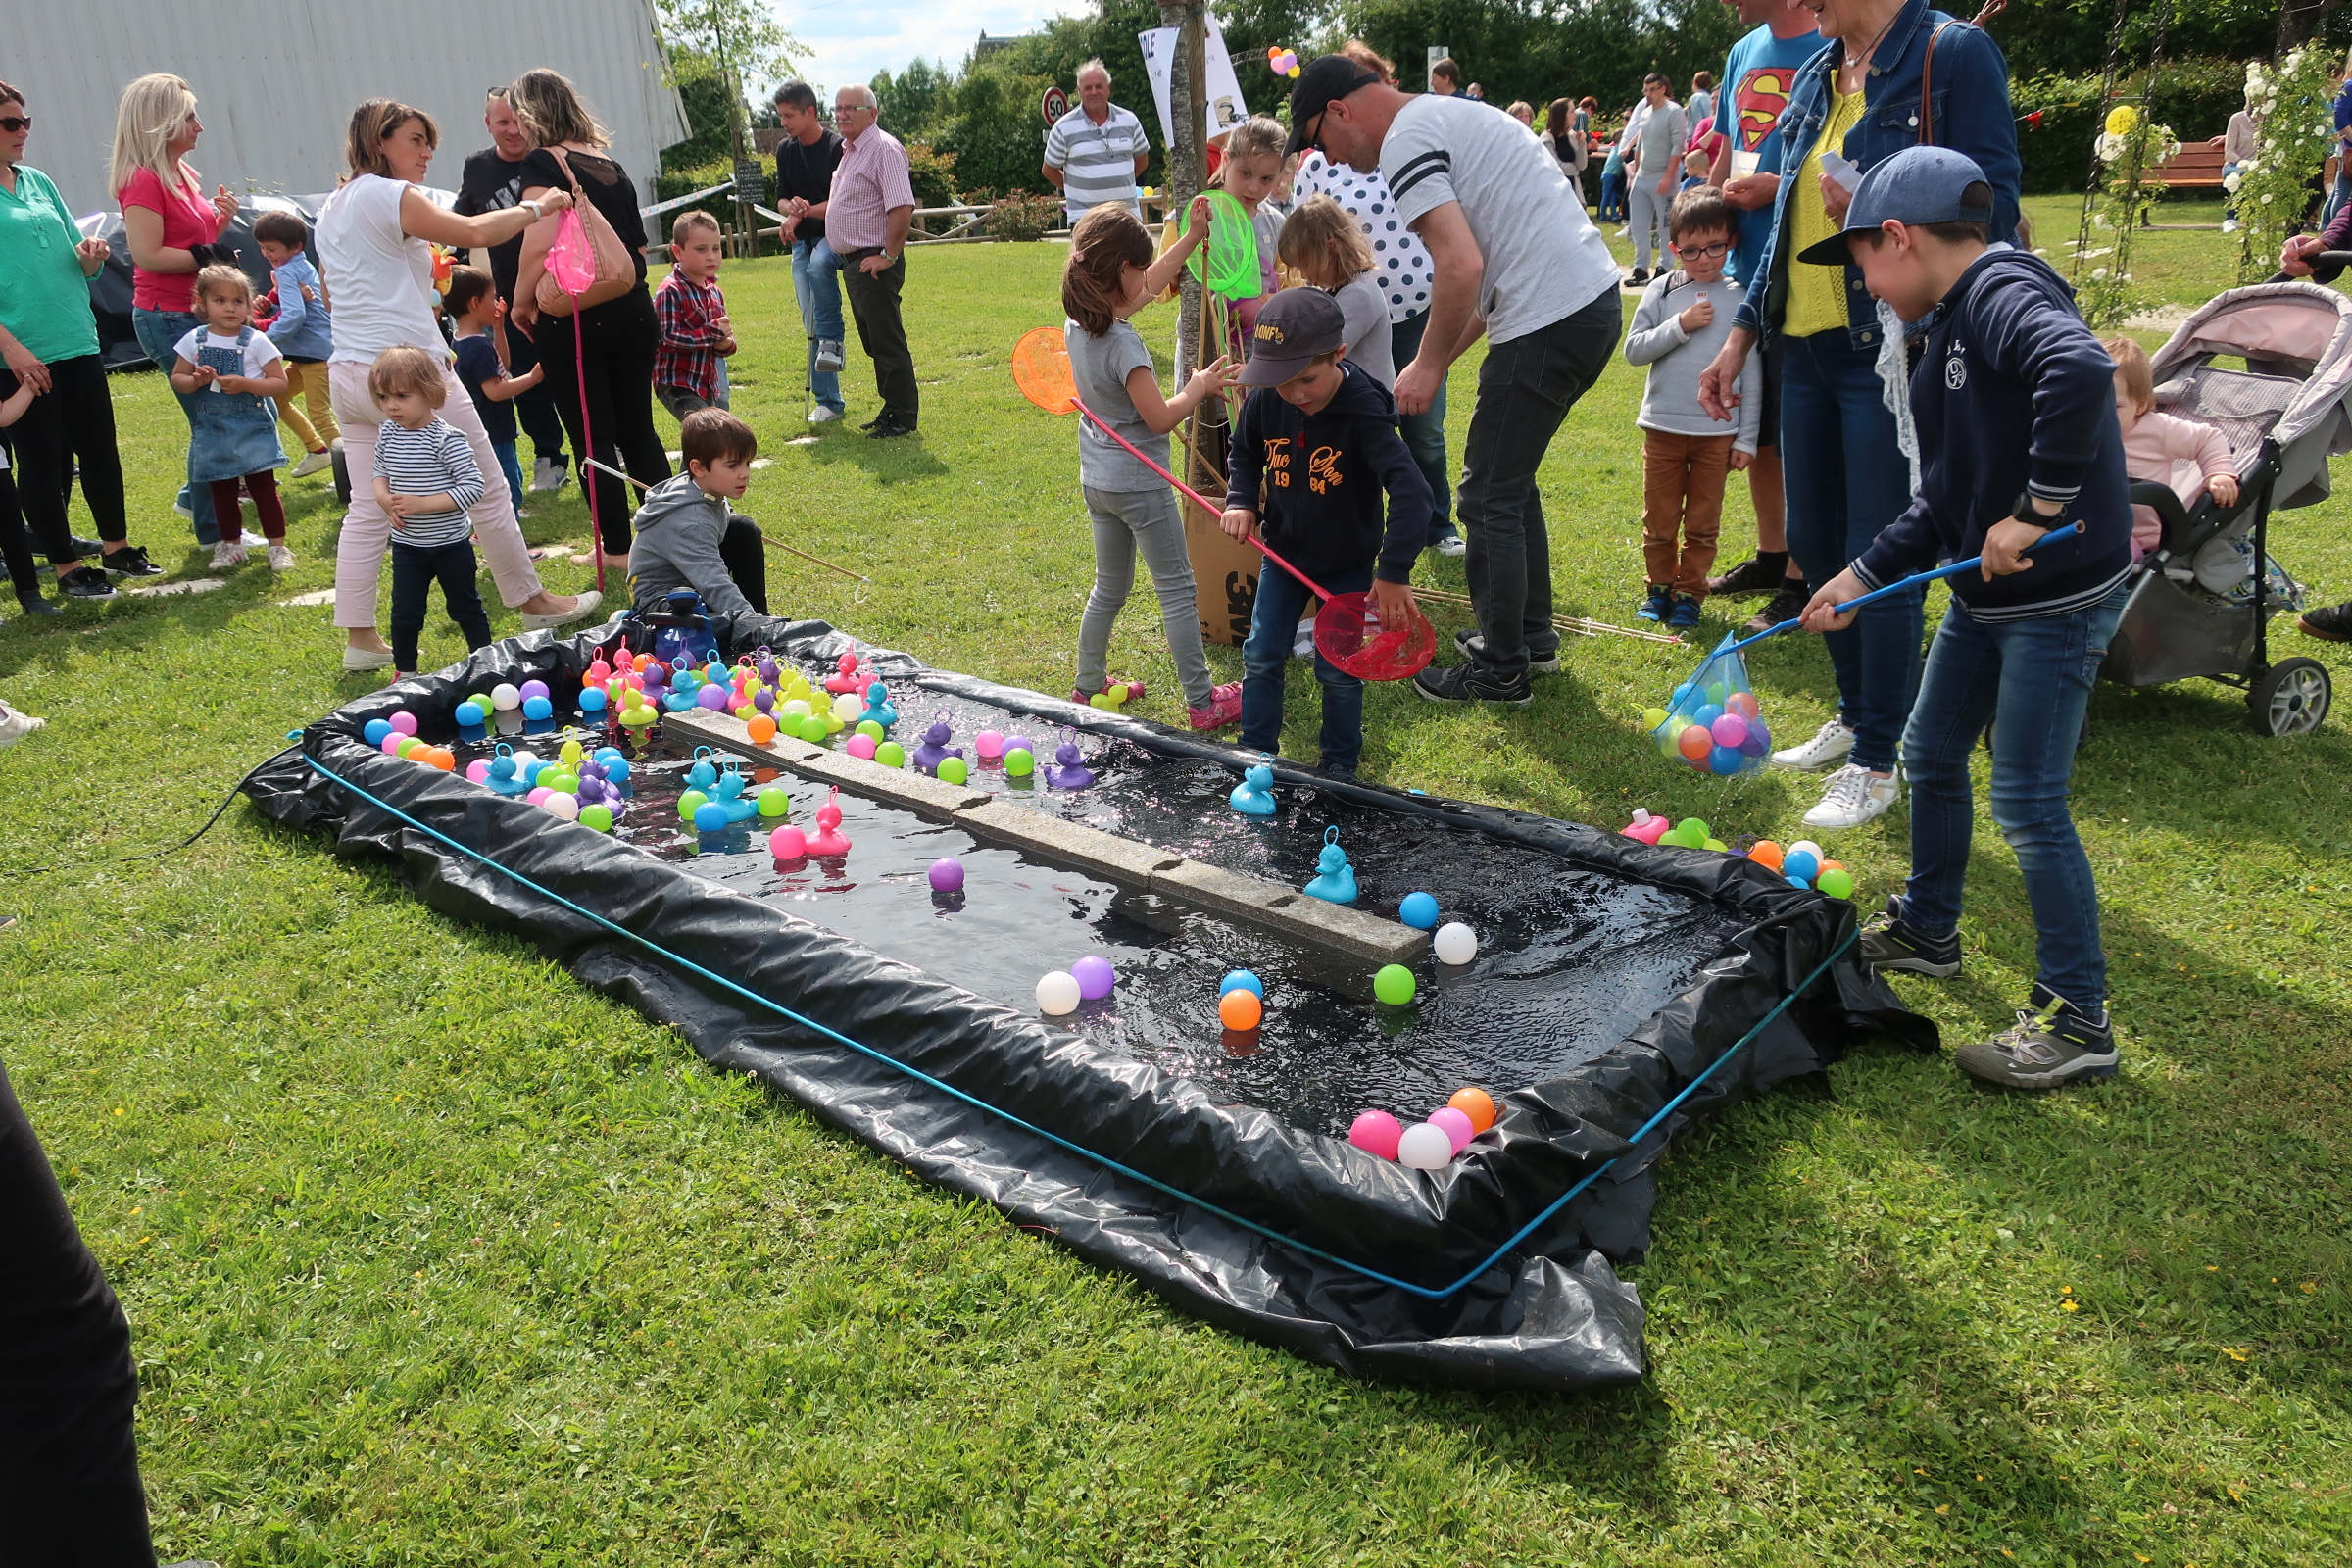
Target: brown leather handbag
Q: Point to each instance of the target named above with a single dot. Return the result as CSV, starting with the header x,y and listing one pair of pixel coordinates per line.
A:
x,y
590,240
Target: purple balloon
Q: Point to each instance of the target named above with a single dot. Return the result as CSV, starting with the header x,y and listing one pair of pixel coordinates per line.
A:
x,y
946,877
1759,739
1095,977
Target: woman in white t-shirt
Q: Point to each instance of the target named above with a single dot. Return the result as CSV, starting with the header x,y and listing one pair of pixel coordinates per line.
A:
x,y
372,236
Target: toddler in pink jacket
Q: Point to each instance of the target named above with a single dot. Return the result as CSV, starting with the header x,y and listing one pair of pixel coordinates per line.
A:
x,y
2162,447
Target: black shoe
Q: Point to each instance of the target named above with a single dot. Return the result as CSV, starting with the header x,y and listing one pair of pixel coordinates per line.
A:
x,y
1887,943
1474,646
1786,605
1472,682
889,430
876,422
2332,624
2054,1044
129,561
1639,279
85,582
1338,771
1763,573
88,546
36,605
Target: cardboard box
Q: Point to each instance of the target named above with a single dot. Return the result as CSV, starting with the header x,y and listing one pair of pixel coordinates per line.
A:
x,y
1224,577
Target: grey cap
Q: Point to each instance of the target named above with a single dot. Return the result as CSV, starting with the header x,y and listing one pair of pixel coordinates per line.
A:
x,y
1292,327
1917,186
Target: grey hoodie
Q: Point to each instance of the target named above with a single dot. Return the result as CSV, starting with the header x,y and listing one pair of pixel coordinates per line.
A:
x,y
678,529
1670,402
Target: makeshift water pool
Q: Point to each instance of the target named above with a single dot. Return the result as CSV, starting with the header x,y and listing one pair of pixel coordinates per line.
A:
x,y
1619,989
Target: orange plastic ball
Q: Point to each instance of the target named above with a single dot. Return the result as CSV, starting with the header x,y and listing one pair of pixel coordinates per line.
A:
x,y
762,728
1767,854
1695,743
1833,865
1477,1105
1241,1009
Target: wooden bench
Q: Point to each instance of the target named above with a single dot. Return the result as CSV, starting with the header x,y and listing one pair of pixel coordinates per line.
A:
x,y
2197,166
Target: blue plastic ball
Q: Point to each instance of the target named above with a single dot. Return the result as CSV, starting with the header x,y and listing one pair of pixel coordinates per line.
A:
x,y
533,768
710,817
1418,911
1725,761
469,715
1801,867
1242,980
376,730
592,701
1706,715
1800,882
616,770
610,753
538,708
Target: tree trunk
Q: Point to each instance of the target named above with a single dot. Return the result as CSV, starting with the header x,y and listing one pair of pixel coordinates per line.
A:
x,y
2300,22
1187,165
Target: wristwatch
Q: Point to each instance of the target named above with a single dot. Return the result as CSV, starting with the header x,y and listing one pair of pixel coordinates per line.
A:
x,y
889,260
2024,511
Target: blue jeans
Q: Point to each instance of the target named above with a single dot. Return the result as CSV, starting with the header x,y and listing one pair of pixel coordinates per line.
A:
x,y
1273,629
1845,479
2031,681
1425,433
816,281
158,331
511,467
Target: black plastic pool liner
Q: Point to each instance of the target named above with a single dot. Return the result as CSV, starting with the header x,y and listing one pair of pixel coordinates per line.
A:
x,y
1553,1315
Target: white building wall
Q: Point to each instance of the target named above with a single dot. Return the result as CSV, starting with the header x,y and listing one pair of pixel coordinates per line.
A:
x,y
275,84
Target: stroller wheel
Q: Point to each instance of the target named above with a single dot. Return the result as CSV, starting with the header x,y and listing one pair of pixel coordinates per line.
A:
x,y
2291,699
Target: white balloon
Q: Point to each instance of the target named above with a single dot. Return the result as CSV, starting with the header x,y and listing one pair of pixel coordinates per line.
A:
x,y
504,696
1057,993
1807,847
1455,943
1425,1147
559,804
848,706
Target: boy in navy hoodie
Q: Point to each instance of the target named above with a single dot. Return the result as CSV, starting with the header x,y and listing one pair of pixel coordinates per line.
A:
x,y
1314,452
2015,404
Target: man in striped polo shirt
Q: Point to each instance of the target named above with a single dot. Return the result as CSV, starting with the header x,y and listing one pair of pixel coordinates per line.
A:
x,y
1095,152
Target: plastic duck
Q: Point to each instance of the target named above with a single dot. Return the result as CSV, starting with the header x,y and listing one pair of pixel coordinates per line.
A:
x,y
506,774
1068,773
827,839
636,713
705,771
935,749
845,676
877,706
1646,827
1335,878
727,791
1253,796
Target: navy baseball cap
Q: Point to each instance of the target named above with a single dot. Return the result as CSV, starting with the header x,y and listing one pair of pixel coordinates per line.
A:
x,y
1917,186
1292,327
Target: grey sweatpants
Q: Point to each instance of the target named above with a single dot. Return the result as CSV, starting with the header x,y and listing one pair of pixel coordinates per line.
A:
x,y
1126,521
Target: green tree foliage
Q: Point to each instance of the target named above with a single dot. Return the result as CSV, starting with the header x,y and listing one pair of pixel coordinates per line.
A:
x,y
703,94
915,99
1539,50
993,132
719,51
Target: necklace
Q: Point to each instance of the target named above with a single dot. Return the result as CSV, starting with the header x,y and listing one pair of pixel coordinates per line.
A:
x,y
1861,62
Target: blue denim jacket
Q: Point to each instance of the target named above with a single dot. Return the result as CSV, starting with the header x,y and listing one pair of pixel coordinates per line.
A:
x,y
1969,101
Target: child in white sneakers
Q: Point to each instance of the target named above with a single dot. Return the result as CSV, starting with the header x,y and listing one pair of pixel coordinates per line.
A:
x,y
234,434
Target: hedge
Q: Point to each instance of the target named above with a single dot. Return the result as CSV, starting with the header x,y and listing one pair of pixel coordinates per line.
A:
x,y
2195,96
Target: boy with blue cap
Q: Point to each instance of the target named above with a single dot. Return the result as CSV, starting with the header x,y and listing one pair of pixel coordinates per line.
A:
x,y
2014,405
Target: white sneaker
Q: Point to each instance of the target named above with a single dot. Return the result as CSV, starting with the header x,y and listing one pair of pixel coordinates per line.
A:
x,y
547,474
359,659
820,415
1451,546
829,354
14,726
312,462
2229,225
281,559
1853,796
579,611
226,554
251,540
1826,749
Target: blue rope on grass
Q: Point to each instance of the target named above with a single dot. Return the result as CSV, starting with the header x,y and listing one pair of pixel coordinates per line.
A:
x,y
1422,1290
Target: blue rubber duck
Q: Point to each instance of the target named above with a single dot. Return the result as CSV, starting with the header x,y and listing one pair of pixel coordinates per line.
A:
x,y
1335,878
877,706
726,792
506,775
1253,796
705,771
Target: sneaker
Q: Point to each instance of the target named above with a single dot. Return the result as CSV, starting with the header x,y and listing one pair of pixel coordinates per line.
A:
x,y
226,554
2229,225
1639,279
2332,624
312,462
129,561
1654,607
1472,682
1135,691
253,540
86,548
14,726
1853,796
549,475
889,430
829,354
85,582
365,658
281,559
874,423
36,605
185,509
579,611
1224,707
1826,749
1758,574
1451,546
1786,605
2054,1044
1887,943
820,415
1684,613
1473,646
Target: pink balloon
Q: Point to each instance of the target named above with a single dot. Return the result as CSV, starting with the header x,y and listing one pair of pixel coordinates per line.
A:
x,y
1458,1125
787,843
1376,1132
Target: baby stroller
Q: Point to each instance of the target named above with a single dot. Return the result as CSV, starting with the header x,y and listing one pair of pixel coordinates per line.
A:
x,y
2202,601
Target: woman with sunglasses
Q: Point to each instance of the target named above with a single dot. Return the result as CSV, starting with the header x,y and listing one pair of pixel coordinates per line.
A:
x,y
49,339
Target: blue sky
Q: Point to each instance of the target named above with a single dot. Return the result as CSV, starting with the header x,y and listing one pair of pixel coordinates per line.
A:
x,y
849,40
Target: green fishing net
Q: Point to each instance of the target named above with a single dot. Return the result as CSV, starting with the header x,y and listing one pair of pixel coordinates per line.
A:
x,y
1231,254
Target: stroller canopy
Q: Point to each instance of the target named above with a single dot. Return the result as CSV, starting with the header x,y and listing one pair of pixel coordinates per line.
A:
x,y
2296,341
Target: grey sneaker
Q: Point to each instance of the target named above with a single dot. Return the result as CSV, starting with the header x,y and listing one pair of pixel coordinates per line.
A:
x,y
1474,645
829,354
1890,943
2054,1044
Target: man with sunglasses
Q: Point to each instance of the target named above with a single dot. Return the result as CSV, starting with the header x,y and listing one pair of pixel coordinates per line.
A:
x,y
1514,258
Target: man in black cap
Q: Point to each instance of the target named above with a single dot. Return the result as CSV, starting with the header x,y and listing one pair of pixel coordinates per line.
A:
x,y
1506,229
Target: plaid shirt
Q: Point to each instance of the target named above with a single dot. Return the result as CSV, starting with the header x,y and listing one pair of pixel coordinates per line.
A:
x,y
688,355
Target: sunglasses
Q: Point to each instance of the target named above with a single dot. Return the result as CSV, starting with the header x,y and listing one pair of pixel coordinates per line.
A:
x,y
12,124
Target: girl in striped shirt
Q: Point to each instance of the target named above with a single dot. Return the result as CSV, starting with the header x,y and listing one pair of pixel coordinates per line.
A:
x,y
425,477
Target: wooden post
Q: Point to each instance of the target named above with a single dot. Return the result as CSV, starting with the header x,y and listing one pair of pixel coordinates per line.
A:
x,y
1188,159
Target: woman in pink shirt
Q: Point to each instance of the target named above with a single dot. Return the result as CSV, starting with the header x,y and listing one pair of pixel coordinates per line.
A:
x,y
172,228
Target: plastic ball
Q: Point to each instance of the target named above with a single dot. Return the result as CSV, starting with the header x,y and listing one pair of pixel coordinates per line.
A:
x,y
1019,763
1725,761
1475,1103
599,817
1418,911
690,803
713,698
890,753
1729,730
787,843
1019,743
616,770
1457,1124
1455,943
1394,983
592,703
561,805
1095,977
392,742
379,728
1376,1132
947,875
505,696
1695,743
533,688
402,721
1652,717
1241,1009
1759,739
478,771
859,746
710,817
1707,714
1057,993
538,708
1802,865
1242,980
761,729
1424,1146
813,731
1838,884
774,800
1694,831
953,770
847,708
1766,854
798,708
1743,703
989,744
872,730
537,797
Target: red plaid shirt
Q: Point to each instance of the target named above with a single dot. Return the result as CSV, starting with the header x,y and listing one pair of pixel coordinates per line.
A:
x,y
688,356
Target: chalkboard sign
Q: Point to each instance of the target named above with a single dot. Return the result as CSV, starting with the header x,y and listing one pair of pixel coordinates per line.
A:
x,y
750,180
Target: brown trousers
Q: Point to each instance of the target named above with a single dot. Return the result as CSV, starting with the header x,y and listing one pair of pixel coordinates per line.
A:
x,y
1682,498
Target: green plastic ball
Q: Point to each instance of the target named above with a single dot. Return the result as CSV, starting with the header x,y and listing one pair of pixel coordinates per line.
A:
x,y
599,817
1694,831
1394,984
1019,765
951,770
813,730
689,802
890,753
566,782
872,730
774,799
1836,884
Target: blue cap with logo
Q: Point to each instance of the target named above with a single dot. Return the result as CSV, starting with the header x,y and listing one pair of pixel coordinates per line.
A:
x,y
1915,186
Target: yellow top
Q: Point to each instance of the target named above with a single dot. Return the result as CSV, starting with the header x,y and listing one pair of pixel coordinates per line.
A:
x,y
1817,294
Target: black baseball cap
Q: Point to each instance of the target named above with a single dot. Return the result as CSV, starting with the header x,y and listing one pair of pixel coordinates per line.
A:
x,y
1325,78
1294,326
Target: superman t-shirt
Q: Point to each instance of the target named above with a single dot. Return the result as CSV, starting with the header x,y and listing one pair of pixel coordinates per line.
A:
x,y
1755,89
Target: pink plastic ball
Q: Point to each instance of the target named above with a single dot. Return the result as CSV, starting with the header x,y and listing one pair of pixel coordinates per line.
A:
x,y
947,875
787,843
478,771
1376,1132
1457,1124
1095,977
404,721
1743,703
539,793
860,746
990,744
392,742
1730,730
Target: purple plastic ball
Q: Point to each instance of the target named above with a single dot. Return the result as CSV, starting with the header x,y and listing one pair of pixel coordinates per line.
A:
x,y
763,700
1095,977
947,875
1021,743
713,698
532,688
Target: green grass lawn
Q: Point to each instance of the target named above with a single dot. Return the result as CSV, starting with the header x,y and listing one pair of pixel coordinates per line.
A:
x,y
434,1258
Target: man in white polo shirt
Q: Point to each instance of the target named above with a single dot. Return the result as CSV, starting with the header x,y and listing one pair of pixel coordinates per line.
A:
x,y
1514,256
1095,152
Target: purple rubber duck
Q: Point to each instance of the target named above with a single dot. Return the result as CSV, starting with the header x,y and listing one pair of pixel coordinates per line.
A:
x,y
1069,771
935,749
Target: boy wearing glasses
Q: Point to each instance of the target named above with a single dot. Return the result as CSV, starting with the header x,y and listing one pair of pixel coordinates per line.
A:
x,y
1683,317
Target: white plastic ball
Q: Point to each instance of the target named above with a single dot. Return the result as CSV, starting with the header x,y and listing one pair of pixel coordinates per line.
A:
x,y
1807,847
559,804
798,708
524,757
847,707
1425,1147
504,696
1057,993
1455,944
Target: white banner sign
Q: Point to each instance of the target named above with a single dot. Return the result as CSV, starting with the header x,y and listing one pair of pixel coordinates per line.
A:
x,y
1226,109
